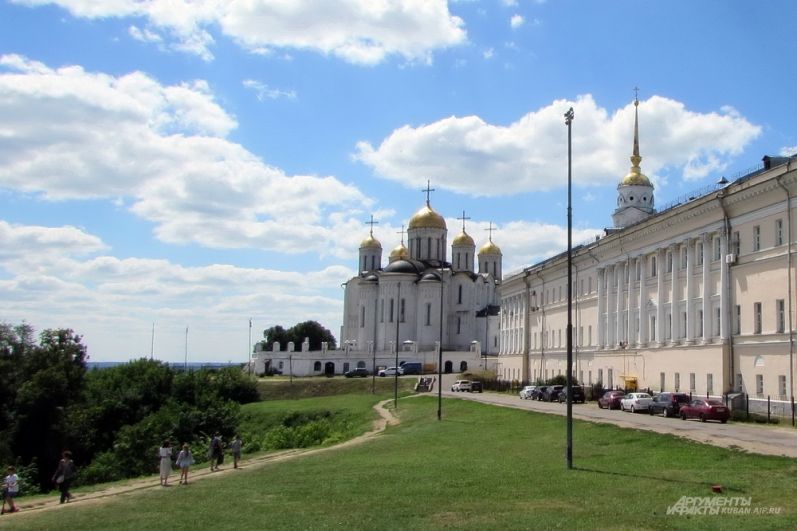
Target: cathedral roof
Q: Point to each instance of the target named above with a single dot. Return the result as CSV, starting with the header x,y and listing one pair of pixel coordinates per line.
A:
x,y
404,266
370,243
427,218
462,239
490,248
400,252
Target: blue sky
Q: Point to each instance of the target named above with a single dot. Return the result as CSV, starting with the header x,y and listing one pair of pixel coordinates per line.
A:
x,y
197,164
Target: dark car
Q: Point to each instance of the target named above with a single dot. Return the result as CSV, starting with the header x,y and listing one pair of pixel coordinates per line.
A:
x,y
705,410
668,403
578,394
476,386
551,393
537,393
359,372
611,399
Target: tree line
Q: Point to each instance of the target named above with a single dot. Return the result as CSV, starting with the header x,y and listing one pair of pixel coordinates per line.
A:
x,y
113,420
311,330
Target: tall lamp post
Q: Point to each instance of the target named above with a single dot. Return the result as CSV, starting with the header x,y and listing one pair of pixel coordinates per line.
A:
x,y
395,367
569,115
440,354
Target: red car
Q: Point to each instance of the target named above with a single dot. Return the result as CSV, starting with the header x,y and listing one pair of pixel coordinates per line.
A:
x,y
611,399
705,410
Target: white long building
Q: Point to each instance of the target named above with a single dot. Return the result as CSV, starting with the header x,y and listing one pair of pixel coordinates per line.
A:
x,y
696,298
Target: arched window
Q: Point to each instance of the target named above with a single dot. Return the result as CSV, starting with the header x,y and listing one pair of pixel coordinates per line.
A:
x,y
463,366
317,366
360,364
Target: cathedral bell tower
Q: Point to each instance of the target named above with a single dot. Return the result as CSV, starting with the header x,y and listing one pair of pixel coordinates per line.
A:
x,y
635,191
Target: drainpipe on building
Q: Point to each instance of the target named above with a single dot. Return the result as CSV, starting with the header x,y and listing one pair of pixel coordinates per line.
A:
x,y
788,269
726,223
541,306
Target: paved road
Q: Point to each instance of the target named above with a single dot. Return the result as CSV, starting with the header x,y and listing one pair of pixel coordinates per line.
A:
x,y
756,438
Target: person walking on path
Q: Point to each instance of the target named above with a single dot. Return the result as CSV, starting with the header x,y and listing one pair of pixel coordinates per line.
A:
x,y
10,490
184,460
235,448
165,454
64,475
216,453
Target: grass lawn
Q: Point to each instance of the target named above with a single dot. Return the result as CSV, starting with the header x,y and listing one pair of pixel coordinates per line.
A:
x,y
482,467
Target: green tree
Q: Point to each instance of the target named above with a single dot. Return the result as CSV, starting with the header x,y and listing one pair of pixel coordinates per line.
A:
x,y
275,333
49,381
312,330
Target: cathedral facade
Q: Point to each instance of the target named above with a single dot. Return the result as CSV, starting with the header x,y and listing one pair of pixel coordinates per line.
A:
x,y
697,297
420,299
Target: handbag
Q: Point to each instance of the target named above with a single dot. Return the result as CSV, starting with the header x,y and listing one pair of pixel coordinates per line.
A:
x,y
59,479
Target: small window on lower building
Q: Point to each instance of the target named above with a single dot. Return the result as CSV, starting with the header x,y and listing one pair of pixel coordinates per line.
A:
x,y
709,384
759,384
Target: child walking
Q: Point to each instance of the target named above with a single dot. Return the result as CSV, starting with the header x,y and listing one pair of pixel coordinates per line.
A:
x,y
10,490
184,460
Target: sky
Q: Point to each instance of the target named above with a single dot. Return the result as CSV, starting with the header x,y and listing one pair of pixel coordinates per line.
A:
x,y
174,170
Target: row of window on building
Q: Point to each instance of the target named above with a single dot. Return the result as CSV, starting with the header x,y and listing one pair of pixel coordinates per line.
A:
x,y
555,294
555,339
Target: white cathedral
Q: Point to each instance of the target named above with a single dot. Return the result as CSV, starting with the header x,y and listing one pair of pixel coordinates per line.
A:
x,y
420,299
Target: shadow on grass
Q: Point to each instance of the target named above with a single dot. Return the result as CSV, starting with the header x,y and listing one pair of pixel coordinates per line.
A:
x,y
657,478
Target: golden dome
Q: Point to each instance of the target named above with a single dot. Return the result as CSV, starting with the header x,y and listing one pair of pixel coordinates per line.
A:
x,y
426,218
400,252
370,243
463,238
490,248
635,178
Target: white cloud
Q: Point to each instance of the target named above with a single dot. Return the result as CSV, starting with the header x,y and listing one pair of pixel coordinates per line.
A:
x,y
72,134
788,151
459,152
56,277
509,3
488,53
264,92
358,31
516,21
144,35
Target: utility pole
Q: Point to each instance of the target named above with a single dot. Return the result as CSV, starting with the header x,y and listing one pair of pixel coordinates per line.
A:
x,y
569,115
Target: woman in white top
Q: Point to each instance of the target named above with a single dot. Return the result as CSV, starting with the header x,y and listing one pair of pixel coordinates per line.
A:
x,y
165,454
184,460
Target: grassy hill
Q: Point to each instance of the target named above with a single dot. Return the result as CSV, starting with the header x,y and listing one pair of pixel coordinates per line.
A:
x,y
482,467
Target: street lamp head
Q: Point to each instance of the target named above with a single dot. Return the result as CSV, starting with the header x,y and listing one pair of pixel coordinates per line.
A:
x,y
569,115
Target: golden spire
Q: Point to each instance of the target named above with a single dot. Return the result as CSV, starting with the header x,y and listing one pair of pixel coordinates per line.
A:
x,y
635,176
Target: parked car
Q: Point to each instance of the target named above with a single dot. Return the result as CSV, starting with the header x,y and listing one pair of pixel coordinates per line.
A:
x,y
705,410
578,394
551,393
635,402
475,386
390,371
527,392
359,372
611,399
536,394
667,403
461,385
411,367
